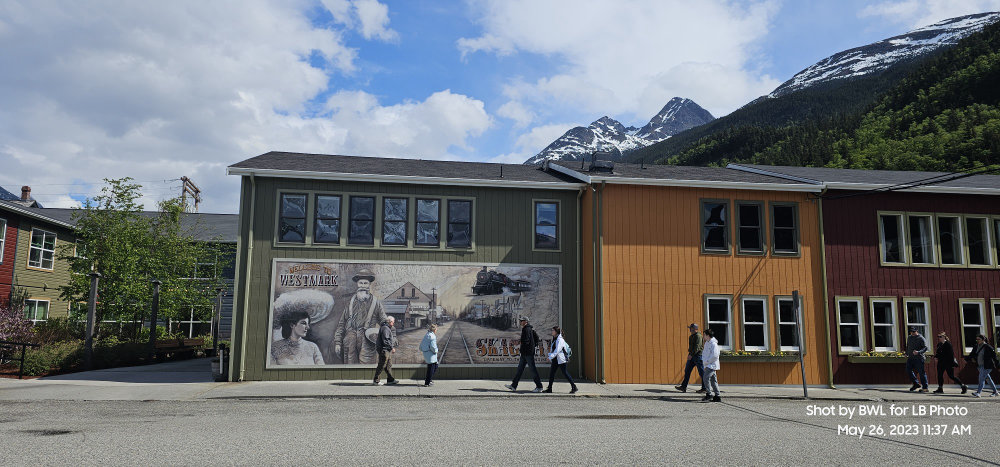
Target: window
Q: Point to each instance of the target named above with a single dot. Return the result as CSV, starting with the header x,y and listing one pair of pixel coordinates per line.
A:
x,y
972,322
921,239
785,229
750,228
950,240
36,310
3,237
395,213
715,226
292,218
459,223
788,336
546,225
718,316
884,334
43,249
754,322
890,229
996,241
361,229
849,325
918,315
429,222
977,231
327,222
996,321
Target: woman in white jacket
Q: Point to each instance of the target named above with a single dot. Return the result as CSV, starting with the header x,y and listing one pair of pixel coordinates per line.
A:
x,y
558,358
710,358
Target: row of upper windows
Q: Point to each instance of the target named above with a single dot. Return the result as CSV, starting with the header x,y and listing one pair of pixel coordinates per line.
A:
x,y
944,240
752,236
886,333
370,220
754,319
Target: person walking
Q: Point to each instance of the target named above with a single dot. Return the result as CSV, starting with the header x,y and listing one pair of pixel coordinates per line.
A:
x,y
385,346
985,357
695,345
529,341
710,353
916,346
429,346
944,354
558,357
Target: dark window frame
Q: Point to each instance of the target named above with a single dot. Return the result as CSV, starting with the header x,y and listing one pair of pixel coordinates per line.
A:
x,y
417,222
305,217
405,221
702,227
351,216
796,229
536,225
448,241
317,219
761,229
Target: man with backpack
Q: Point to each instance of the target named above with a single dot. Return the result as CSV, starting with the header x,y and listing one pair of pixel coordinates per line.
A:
x,y
529,342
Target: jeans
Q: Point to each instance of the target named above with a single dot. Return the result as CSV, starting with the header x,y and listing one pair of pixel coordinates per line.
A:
x,y
692,363
915,367
384,363
530,361
711,380
951,373
984,376
565,372
431,369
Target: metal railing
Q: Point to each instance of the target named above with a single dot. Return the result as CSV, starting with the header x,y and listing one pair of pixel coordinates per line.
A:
x,y
8,345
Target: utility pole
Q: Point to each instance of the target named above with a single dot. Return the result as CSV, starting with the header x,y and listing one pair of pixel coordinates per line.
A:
x,y
188,187
217,319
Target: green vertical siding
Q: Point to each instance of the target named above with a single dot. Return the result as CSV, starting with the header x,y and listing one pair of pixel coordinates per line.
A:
x,y
41,284
502,233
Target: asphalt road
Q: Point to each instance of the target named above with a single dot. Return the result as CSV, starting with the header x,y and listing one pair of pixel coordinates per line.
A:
x,y
478,431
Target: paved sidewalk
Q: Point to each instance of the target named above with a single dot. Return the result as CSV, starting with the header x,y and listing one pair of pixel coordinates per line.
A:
x,y
191,380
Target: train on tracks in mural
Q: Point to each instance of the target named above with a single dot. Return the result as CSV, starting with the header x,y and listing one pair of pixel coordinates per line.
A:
x,y
491,282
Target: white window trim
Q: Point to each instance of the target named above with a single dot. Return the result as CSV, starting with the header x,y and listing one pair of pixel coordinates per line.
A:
x,y
961,240
894,339
764,324
729,316
967,346
31,246
932,224
778,322
967,246
901,233
3,237
927,315
48,309
860,325
995,314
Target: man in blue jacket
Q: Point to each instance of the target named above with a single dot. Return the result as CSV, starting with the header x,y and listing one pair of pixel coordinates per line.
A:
x,y
916,346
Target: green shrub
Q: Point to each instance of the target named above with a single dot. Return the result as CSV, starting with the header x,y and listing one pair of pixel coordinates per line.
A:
x,y
55,357
58,329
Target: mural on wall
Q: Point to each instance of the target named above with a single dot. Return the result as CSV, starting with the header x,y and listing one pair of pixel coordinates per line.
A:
x,y
328,312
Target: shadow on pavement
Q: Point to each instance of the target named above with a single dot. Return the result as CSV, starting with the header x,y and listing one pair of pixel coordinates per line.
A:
x,y
198,370
506,391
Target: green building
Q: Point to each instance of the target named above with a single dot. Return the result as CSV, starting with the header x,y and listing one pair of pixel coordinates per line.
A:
x,y
349,241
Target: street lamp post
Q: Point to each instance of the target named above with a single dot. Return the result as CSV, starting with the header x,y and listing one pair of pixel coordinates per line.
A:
x,y
151,349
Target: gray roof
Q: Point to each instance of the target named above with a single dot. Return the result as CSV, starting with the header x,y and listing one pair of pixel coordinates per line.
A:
x,y
678,173
201,226
836,177
6,195
384,166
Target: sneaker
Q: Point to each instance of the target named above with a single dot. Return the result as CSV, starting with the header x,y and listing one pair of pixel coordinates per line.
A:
x,y
573,391
548,390
702,390
995,394
378,383
427,385
976,394
511,387
914,387
716,399
938,391
707,398
430,383
964,389
922,390
681,388
395,381
536,390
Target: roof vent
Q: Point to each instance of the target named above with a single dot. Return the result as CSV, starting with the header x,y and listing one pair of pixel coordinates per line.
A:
x,y
597,164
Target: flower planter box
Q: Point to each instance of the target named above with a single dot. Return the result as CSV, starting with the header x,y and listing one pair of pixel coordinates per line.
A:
x,y
879,359
759,358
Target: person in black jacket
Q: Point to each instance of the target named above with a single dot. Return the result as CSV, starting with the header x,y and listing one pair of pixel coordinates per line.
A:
x,y
529,342
985,357
946,363
385,345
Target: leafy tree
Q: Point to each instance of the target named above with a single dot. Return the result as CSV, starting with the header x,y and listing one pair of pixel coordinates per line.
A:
x,y
14,326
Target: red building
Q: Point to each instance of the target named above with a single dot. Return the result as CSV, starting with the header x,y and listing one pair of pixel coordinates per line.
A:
x,y
920,250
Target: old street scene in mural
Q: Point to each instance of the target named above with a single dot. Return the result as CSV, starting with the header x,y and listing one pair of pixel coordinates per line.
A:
x,y
476,310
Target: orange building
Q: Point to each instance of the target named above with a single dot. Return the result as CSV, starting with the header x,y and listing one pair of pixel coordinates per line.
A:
x,y
666,246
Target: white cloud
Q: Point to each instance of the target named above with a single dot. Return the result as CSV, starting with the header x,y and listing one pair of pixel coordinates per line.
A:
x,y
629,57
374,18
517,112
918,13
157,90
531,142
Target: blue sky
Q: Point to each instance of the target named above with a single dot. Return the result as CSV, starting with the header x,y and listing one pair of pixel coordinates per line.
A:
x,y
160,90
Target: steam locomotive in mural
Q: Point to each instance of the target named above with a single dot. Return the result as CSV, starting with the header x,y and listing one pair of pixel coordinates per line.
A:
x,y
491,282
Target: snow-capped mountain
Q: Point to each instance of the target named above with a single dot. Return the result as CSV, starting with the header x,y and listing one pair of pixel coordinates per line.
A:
x,y
608,134
878,56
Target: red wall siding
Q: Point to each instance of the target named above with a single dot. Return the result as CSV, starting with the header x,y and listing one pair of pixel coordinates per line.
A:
x,y
853,269
9,246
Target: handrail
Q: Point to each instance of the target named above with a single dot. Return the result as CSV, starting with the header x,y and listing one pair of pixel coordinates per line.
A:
x,y
24,347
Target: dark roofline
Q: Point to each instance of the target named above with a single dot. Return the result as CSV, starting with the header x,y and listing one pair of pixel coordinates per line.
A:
x,y
599,177
775,171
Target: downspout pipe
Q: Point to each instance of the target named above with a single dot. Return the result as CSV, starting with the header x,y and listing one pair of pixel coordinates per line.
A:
x,y
246,281
600,279
579,275
826,293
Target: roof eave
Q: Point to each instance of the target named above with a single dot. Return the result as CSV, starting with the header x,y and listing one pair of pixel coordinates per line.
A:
x,y
408,179
711,184
25,212
920,189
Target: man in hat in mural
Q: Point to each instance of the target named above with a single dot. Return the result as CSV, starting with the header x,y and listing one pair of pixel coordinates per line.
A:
x,y
363,313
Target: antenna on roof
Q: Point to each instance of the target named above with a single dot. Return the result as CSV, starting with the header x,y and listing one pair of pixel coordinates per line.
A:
x,y
642,163
501,170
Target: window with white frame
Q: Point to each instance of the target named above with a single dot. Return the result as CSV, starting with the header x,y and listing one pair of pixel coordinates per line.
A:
x,y
754,321
36,310
849,325
42,252
977,237
885,335
3,237
719,318
749,227
996,242
921,239
918,315
784,229
788,336
949,230
996,321
973,322
890,227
